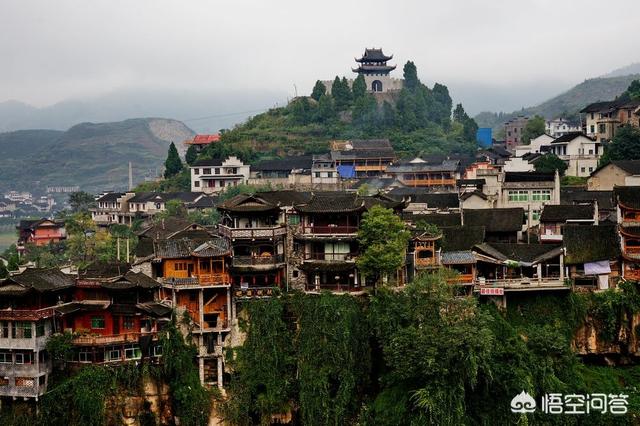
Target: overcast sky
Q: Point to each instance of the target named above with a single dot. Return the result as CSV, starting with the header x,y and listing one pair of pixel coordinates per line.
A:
x,y
55,50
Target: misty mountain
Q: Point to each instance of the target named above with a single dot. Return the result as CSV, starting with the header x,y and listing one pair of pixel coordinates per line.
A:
x,y
204,111
566,104
627,70
94,156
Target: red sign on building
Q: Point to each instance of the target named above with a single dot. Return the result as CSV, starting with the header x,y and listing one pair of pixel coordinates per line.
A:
x,y
491,291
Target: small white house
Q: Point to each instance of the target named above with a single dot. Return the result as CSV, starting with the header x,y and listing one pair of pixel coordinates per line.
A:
x,y
580,152
214,175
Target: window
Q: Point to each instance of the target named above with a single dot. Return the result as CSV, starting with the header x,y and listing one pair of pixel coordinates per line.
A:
x,y
84,356
535,214
295,273
196,184
602,128
293,219
217,169
196,171
221,183
112,354
317,174
128,323
97,322
4,329
518,196
541,195
22,330
25,382
132,352
590,169
5,358
330,174
157,350
593,128
592,117
23,358
515,139
206,171
591,152
40,329
4,381
582,169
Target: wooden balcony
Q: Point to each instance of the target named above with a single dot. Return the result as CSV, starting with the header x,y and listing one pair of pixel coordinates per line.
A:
x,y
260,261
331,257
461,279
112,339
202,280
330,230
335,288
252,233
524,284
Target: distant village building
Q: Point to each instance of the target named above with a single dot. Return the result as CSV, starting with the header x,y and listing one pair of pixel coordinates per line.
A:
x,y
559,126
362,157
422,173
513,130
602,119
372,65
214,175
200,142
579,152
40,232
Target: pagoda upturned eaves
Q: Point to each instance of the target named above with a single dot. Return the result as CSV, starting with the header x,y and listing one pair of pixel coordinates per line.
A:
x,y
374,61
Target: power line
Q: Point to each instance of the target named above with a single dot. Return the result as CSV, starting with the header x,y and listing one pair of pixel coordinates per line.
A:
x,y
225,115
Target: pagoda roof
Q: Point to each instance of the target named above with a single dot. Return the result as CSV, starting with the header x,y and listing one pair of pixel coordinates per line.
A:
x,y
374,55
373,68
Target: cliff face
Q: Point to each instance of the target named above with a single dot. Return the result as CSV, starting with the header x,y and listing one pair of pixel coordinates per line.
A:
x,y
153,400
624,347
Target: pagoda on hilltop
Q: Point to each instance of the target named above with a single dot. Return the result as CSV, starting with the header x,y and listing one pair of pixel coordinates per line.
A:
x,y
373,66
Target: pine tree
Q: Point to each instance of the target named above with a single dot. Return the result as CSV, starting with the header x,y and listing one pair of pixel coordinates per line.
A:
x,y
191,155
459,114
410,74
318,90
359,87
325,111
173,164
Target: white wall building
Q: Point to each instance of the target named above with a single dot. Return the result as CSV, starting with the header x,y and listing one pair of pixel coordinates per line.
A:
x,y
580,152
559,127
211,176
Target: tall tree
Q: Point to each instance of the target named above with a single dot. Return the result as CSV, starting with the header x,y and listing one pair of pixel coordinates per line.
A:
x,y
326,110
535,127
173,164
191,155
443,104
318,90
359,87
81,201
301,110
384,238
459,114
410,74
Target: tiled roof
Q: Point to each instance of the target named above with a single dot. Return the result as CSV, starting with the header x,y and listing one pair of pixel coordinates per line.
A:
x,y
628,196
590,243
564,212
568,137
468,195
436,200
131,280
215,162
204,139
332,202
100,269
143,197
496,220
371,144
525,253
457,238
204,202
166,227
182,248
572,195
284,164
41,279
441,220
248,203
154,308
458,257
110,197
630,166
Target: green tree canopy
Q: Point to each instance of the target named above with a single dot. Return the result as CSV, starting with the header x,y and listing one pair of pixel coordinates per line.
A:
x,y
549,163
173,164
625,145
191,155
535,127
410,74
318,90
384,239
81,201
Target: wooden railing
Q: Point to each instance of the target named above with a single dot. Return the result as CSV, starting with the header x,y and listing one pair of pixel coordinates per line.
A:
x,y
331,229
201,280
524,282
461,279
112,339
26,314
429,182
332,257
257,260
252,233
333,287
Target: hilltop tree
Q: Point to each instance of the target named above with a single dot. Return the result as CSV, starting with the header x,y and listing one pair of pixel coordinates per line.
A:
x,y
173,164
535,127
469,125
191,155
318,90
326,110
549,163
81,201
341,93
384,238
443,104
410,74
459,114
359,87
